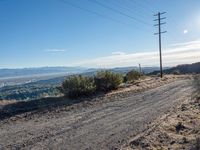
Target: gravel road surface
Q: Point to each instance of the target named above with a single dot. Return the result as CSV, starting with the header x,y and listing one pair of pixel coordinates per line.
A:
x,y
101,126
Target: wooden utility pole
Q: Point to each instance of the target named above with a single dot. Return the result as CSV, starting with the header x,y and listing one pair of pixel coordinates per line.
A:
x,y
159,33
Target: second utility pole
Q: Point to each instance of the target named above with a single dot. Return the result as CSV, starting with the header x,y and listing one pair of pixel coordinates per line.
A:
x,y
159,33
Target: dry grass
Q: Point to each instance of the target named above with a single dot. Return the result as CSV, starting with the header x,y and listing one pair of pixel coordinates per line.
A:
x,y
149,83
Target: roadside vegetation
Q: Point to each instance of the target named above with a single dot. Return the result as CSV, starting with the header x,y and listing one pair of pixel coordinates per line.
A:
x,y
78,85
132,76
72,86
103,81
106,81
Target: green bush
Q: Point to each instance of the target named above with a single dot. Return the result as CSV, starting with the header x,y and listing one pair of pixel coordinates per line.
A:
x,y
132,76
78,85
106,81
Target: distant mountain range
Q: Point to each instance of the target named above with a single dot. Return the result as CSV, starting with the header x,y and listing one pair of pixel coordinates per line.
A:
x,y
145,70
40,71
24,72
182,69
63,71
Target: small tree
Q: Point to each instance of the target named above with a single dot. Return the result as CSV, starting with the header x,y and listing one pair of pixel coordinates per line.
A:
x,y
132,76
78,85
107,80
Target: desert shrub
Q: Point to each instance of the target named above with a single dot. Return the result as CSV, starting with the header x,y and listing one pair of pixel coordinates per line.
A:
x,y
107,80
78,85
132,76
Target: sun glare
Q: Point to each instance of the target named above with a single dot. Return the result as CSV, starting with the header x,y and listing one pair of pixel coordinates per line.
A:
x,y
185,31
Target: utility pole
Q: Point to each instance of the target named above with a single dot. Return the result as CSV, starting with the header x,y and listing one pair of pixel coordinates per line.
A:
x,y
140,69
159,33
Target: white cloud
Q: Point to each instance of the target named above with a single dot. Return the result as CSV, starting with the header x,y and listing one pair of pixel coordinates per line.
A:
x,y
179,53
185,31
54,50
186,43
118,53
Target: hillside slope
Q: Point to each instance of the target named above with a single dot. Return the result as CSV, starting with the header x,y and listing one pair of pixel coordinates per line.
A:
x,y
182,69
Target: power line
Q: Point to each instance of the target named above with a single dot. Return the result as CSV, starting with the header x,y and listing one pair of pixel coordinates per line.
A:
x,y
99,14
119,12
140,5
148,3
139,9
121,5
91,11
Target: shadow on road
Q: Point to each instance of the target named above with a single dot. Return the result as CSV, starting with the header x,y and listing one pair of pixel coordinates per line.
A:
x,y
39,105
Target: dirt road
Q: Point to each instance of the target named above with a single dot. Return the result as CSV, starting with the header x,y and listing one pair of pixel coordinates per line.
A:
x,y
100,126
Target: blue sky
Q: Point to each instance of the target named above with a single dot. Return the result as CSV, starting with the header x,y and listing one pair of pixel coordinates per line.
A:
x,y
35,33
